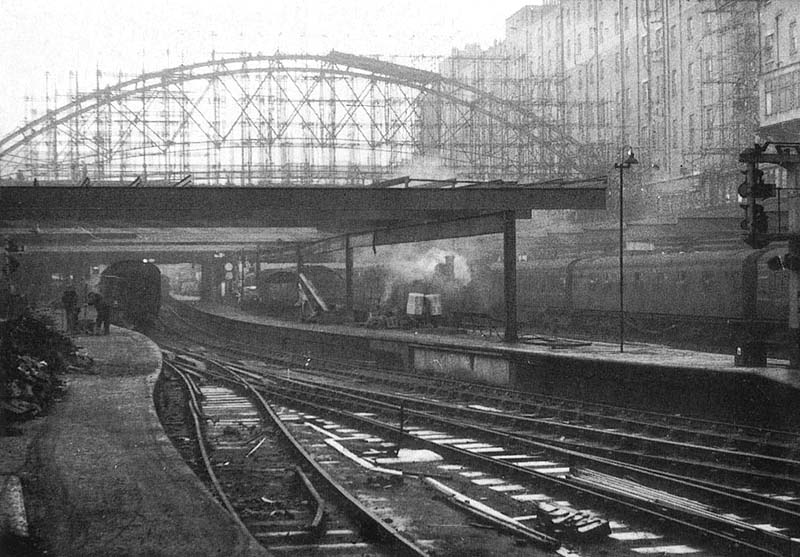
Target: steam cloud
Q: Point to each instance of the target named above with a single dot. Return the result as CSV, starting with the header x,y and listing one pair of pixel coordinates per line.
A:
x,y
409,264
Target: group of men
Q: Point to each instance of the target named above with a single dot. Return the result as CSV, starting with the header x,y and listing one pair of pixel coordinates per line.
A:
x,y
70,303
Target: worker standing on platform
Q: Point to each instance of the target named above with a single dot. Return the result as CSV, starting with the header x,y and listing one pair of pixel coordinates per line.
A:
x,y
103,312
69,301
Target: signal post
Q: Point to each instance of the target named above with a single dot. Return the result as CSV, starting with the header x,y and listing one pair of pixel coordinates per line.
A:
x,y
756,222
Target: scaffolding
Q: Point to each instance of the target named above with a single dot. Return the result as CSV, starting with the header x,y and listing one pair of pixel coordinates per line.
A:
x,y
730,70
242,119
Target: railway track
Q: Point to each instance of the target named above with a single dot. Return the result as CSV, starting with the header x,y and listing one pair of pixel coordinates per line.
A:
x,y
709,509
242,444
526,464
755,506
752,459
429,525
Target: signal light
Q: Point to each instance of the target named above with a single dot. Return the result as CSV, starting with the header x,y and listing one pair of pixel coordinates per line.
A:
x,y
775,263
759,219
756,222
789,262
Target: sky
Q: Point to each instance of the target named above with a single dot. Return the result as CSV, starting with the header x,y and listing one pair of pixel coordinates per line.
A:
x,y
43,41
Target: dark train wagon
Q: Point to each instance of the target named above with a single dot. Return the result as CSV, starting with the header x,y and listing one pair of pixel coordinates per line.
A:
x,y
133,288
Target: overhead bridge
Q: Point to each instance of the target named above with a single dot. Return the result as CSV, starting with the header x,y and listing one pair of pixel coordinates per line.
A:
x,y
387,215
333,208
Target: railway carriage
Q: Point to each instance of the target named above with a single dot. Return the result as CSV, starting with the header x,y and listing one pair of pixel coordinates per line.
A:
x,y
133,288
723,287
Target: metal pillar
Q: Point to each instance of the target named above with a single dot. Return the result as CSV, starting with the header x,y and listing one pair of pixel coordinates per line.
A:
x,y
510,274
208,280
630,159
793,175
348,277
621,265
241,277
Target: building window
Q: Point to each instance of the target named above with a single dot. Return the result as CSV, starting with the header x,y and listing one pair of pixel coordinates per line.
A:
x,y
692,129
627,17
793,38
689,30
673,35
709,124
690,76
616,22
568,49
675,133
709,68
616,62
769,47
673,84
627,56
708,21
578,45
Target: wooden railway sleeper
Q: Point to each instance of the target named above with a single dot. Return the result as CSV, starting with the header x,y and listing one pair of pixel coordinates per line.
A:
x,y
339,401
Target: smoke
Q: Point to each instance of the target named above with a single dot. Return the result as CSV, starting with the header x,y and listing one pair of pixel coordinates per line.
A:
x,y
409,264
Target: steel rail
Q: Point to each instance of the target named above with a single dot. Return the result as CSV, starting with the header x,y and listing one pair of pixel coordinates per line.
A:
x,y
652,508
195,411
512,420
511,396
709,488
372,522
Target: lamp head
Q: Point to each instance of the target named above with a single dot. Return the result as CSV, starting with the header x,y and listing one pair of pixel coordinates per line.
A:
x,y
630,158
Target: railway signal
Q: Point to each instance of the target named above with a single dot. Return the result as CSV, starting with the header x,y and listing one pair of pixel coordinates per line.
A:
x,y
789,262
756,222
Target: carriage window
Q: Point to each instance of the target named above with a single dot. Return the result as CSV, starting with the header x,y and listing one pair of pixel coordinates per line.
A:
x,y
637,276
682,276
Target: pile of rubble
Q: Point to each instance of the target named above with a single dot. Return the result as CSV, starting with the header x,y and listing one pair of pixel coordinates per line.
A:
x,y
32,355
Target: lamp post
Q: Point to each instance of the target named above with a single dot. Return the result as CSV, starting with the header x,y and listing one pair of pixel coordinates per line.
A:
x,y
629,160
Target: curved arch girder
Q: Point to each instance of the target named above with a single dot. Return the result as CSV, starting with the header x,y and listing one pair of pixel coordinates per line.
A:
x,y
463,104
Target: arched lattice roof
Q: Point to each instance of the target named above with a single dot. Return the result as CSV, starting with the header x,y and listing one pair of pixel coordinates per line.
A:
x,y
266,119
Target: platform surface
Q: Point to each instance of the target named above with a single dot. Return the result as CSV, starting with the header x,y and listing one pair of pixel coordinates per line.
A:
x,y
647,356
102,478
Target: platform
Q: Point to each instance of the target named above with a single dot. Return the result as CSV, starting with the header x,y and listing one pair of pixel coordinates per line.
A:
x,y
645,376
100,476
